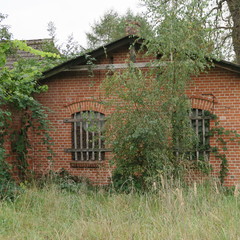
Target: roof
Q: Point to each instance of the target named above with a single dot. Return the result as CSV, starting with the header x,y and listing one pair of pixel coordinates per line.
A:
x,y
38,44
127,40
227,65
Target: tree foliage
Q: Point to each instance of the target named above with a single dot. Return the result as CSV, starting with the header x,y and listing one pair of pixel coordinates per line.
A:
x,y
150,131
221,15
224,17
112,26
233,23
71,48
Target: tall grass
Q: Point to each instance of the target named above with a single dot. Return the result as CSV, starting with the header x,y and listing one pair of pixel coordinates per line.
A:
x,y
171,213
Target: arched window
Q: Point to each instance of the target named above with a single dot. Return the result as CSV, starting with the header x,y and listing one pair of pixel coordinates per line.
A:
x,y
201,124
87,136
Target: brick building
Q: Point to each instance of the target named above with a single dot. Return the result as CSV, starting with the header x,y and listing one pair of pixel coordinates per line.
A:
x,y
73,93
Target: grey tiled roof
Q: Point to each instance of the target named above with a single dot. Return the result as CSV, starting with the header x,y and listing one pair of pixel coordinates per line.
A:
x,y
39,44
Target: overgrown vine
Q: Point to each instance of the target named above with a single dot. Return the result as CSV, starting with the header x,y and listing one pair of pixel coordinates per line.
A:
x,y
19,110
222,137
150,131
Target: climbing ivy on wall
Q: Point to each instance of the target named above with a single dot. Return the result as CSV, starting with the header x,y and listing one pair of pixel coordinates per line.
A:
x,y
223,137
18,84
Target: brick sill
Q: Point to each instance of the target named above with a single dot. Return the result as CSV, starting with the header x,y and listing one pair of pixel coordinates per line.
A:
x,y
86,164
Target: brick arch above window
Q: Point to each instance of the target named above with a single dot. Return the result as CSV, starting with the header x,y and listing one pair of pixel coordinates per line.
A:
x,y
204,102
86,105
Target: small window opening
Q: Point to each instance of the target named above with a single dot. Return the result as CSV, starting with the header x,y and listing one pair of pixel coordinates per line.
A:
x,y
87,136
200,120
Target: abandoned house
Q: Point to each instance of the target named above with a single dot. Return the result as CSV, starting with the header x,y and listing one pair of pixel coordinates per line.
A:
x,y
72,93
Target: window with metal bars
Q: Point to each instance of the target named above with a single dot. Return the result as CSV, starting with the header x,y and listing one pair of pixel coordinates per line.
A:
x,y
87,136
201,124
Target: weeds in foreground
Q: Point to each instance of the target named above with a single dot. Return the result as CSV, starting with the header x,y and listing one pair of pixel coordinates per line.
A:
x,y
197,212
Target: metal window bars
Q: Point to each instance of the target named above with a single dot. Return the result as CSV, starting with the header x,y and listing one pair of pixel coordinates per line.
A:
x,y
87,136
200,120
88,142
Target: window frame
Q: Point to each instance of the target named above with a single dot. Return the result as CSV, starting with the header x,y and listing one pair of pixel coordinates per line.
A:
x,y
200,121
84,147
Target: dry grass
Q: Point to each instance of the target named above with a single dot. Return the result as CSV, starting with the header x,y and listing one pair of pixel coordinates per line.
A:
x,y
173,213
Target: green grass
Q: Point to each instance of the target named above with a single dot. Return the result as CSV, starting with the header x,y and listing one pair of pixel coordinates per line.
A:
x,y
173,213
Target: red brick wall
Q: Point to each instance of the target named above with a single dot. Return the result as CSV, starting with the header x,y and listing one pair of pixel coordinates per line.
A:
x,y
219,91
69,92
14,127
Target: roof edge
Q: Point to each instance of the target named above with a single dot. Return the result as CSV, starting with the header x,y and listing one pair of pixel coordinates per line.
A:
x,y
130,39
94,53
227,65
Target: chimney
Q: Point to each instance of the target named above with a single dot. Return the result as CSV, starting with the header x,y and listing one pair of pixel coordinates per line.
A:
x,y
132,28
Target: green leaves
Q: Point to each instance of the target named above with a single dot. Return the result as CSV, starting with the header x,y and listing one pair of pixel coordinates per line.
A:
x,y
112,26
18,85
4,48
21,45
150,131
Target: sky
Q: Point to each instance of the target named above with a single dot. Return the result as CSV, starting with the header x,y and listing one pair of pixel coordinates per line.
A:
x,y
28,19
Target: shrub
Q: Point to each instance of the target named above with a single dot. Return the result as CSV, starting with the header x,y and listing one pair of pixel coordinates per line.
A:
x,y
9,190
65,181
